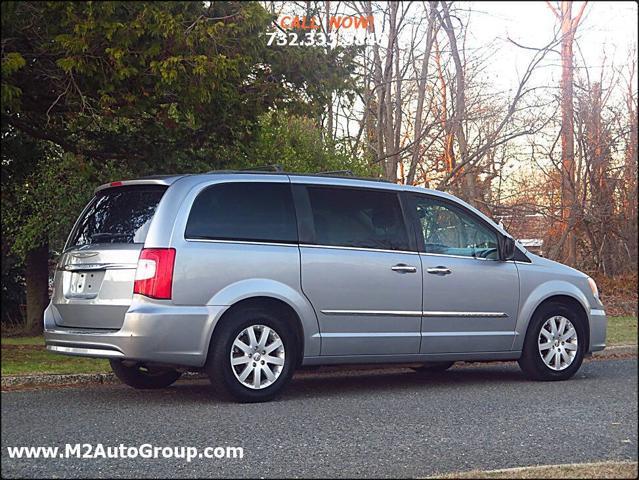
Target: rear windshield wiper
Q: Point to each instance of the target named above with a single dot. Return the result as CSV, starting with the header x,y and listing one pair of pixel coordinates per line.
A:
x,y
98,237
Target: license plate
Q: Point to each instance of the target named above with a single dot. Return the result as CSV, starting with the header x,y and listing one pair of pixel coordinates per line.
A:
x,y
85,284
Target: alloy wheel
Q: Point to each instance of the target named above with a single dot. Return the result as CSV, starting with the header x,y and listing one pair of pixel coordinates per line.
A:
x,y
558,343
257,356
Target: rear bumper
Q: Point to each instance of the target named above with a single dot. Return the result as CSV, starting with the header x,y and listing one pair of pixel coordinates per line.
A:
x,y
598,326
152,332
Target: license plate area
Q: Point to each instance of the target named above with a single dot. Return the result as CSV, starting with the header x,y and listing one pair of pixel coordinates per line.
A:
x,y
84,283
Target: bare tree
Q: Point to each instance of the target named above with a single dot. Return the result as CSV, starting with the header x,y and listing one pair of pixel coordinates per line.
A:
x,y
569,25
421,95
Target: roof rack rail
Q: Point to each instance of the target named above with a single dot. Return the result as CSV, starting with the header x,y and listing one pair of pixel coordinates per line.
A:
x,y
337,172
265,168
277,169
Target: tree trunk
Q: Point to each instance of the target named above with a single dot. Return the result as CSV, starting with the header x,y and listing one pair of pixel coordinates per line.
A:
x,y
329,110
379,87
37,278
397,117
421,94
448,155
630,173
460,103
390,163
567,139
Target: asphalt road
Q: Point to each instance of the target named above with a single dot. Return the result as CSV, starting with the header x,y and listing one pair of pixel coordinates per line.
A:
x,y
345,424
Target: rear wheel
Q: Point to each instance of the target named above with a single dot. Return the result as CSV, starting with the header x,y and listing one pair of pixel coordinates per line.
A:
x,y
252,356
141,377
555,344
433,367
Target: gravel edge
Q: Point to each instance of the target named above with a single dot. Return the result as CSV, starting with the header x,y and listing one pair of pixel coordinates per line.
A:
x,y
53,379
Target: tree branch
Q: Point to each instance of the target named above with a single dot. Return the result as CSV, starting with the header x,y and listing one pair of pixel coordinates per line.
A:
x,y
553,10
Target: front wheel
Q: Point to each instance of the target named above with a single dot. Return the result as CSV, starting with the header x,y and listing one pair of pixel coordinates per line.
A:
x,y
252,356
555,344
144,378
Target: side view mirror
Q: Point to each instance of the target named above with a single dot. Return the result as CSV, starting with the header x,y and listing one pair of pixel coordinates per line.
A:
x,y
507,248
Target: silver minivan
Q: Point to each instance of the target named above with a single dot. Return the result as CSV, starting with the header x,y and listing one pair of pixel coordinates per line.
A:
x,y
249,275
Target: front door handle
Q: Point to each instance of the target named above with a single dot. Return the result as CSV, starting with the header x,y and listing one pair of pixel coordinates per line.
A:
x,y
403,268
439,270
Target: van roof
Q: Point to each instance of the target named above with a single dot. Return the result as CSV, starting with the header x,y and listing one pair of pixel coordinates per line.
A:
x,y
169,179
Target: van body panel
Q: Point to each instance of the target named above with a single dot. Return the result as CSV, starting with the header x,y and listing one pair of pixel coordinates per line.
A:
x,y
474,316
537,286
362,305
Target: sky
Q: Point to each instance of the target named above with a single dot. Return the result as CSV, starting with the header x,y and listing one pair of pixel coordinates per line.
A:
x,y
609,25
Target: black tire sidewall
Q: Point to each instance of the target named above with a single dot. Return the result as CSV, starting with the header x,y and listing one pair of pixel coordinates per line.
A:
x,y
132,376
219,366
531,361
434,367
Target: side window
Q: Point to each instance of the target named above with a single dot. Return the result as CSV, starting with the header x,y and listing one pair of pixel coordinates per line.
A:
x,y
349,217
449,230
244,211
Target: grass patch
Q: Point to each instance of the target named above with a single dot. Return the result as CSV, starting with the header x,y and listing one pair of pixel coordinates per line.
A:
x,y
39,340
27,355
575,470
622,331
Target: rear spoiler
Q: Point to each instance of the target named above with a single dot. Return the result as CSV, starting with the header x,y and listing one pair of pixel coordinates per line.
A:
x,y
166,180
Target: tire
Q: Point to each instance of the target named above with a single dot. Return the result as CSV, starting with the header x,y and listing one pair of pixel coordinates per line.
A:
x,y
227,379
557,366
433,367
143,378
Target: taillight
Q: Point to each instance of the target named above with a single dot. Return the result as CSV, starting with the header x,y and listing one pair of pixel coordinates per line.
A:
x,y
154,275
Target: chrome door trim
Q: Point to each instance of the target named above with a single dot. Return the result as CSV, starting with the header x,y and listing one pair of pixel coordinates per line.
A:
x,y
469,334
465,314
374,313
363,249
240,242
76,267
408,313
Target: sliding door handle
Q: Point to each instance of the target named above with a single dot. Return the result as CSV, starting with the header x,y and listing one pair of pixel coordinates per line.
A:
x,y
403,268
439,270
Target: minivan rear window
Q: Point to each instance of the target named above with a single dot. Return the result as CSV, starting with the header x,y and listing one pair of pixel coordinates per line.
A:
x,y
244,211
118,215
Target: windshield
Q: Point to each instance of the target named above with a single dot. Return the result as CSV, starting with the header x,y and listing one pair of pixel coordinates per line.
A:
x,y
118,215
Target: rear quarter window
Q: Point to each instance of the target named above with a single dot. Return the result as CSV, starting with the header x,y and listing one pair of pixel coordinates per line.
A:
x,y
244,211
118,215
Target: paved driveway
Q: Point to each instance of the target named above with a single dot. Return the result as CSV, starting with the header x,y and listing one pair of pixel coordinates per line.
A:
x,y
350,423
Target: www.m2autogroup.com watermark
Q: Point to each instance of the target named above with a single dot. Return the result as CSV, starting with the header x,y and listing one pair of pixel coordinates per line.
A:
x,y
100,451
343,30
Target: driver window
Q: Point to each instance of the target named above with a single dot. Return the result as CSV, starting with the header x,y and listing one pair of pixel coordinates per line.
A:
x,y
447,230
